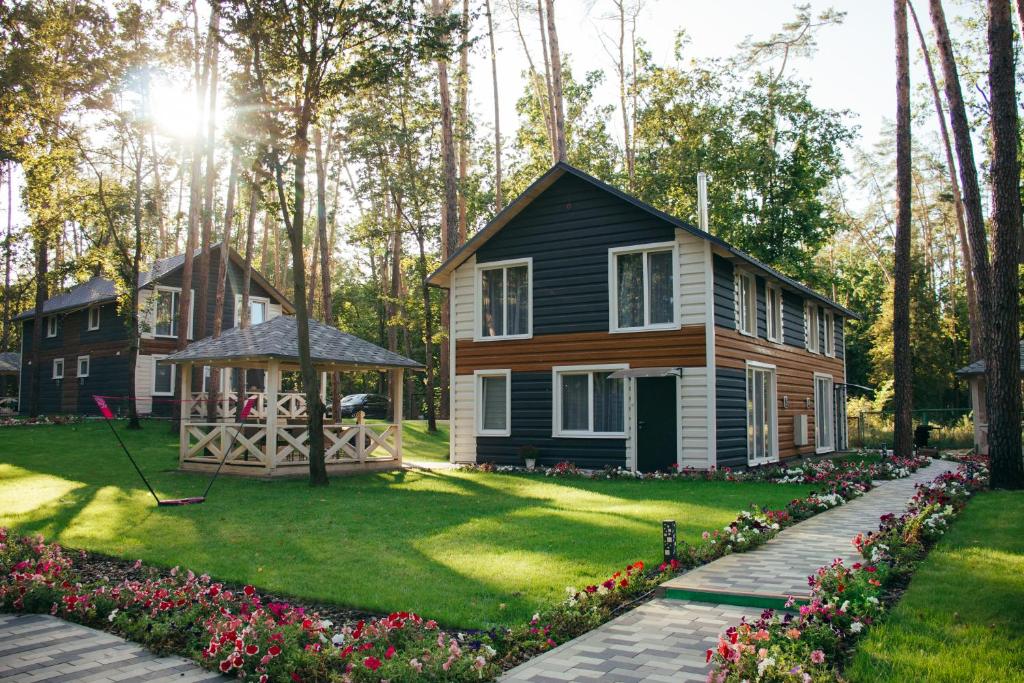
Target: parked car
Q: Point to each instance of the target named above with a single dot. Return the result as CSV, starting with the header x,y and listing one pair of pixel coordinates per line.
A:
x,y
374,405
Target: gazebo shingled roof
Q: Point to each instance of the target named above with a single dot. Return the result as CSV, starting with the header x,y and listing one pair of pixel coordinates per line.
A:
x,y
10,362
978,366
277,339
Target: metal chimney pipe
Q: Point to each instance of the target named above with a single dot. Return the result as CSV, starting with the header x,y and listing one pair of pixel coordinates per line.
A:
x,y
702,200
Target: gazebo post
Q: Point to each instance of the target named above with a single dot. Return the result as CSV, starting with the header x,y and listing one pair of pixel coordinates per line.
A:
x,y
186,411
273,386
397,385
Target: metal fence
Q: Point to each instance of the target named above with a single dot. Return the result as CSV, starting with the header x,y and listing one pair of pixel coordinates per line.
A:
x,y
954,427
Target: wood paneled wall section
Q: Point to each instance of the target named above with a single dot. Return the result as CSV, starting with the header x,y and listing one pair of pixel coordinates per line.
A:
x,y
684,347
794,373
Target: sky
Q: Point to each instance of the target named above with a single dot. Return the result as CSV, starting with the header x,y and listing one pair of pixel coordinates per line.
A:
x,y
853,69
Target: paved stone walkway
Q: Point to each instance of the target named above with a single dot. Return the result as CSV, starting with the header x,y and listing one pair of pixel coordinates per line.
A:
x,y
666,639
37,647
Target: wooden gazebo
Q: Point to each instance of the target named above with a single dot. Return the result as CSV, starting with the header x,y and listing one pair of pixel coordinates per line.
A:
x,y
10,372
275,439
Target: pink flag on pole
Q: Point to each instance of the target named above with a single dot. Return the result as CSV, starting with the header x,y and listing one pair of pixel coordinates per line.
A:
x,y
101,403
247,408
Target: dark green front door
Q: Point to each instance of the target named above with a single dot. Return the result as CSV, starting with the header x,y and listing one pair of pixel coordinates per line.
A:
x,y
655,423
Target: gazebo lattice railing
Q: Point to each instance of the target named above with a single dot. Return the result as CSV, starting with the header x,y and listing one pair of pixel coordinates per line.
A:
x,y
275,439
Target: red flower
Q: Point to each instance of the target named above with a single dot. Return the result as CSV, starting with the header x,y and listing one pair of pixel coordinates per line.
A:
x,y
249,590
296,677
274,650
390,652
371,663
871,570
709,653
225,665
252,649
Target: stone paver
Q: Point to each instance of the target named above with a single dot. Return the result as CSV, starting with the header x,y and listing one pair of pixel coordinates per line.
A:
x,y
37,647
666,639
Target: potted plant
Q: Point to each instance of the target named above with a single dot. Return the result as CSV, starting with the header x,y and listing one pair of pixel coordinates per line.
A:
x,y
529,455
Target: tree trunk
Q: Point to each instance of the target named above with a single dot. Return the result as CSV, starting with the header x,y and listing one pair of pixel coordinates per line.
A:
x,y
628,146
428,335
250,237
973,215
903,384
1002,372
158,199
958,202
326,249
8,239
549,104
498,203
556,85
131,283
222,276
462,129
38,320
203,286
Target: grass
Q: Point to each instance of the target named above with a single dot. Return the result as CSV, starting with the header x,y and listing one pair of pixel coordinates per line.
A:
x,y
468,549
961,618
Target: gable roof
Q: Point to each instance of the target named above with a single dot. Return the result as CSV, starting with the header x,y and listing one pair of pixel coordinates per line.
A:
x,y
277,339
978,366
10,361
98,290
441,276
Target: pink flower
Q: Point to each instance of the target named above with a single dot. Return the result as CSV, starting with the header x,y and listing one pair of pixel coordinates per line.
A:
x,y
818,657
416,665
390,652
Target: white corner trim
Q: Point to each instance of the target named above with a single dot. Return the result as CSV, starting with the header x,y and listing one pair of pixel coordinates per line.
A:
x,y
709,353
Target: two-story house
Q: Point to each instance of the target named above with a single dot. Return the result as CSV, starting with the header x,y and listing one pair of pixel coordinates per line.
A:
x,y
85,344
599,330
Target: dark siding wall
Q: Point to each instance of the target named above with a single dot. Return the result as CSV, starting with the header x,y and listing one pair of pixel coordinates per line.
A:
x,y
108,376
725,303
531,424
568,231
840,338
113,327
793,319
731,410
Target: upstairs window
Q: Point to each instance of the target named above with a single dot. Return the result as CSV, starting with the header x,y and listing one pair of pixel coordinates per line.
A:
x,y
643,283
51,326
494,402
257,311
94,318
166,321
830,334
746,303
83,366
811,332
506,300
773,311
588,403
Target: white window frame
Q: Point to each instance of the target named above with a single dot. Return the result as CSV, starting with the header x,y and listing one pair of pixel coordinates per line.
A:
x,y
479,297
746,321
773,455
252,299
813,342
91,326
478,403
830,334
51,326
773,315
830,447
191,310
174,376
78,366
613,287
58,362
556,402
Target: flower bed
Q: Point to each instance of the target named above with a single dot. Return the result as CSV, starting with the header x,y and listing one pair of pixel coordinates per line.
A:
x,y
41,420
812,643
241,633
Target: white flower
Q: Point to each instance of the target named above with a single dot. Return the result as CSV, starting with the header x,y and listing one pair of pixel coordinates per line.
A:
x,y
856,627
112,615
764,664
338,638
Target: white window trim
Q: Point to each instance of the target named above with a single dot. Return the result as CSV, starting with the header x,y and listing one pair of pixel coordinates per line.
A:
x,y
830,334
556,402
51,326
751,318
478,376
780,333
174,376
191,310
259,299
818,449
56,362
78,366
89,314
813,342
613,287
478,297
774,456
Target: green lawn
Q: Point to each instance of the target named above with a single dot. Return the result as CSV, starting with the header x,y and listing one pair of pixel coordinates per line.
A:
x,y
468,549
962,618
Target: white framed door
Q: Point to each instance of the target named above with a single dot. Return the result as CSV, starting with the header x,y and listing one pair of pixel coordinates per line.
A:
x,y
824,414
762,414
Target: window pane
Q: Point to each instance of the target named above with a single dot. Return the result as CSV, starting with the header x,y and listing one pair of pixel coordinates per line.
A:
x,y
518,300
166,313
494,402
609,402
575,402
660,287
630,268
162,378
493,317
257,312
